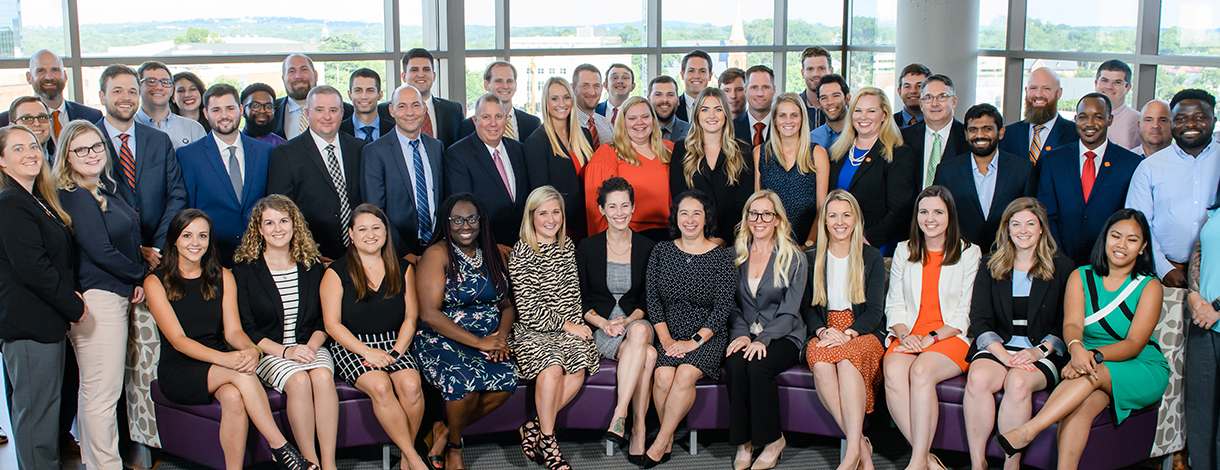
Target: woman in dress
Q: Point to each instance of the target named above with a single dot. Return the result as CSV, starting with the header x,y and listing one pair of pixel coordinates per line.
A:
x,y
194,302
550,342
845,314
767,328
691,285
187,101
641,156
466,317
111,273
713,161
556,153
1109,311
928,313
611,265
278,272
796,169
870,161
1018,296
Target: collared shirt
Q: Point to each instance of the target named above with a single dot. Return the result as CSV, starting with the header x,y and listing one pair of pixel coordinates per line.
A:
x,y
929,139
224,154
1125,128
117,142
181,130
429,104
690,106
1045,132
409,156
508,165
511,120
667,130
985,184
358,127
604,130
909,119
766,130
824,136
610,109
1100,153
1174,189
292,118
63,117
321,143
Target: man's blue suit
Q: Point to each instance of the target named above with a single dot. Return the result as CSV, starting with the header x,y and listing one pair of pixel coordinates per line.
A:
x,y
208,187
160,192
1075,224
1016,137
388,184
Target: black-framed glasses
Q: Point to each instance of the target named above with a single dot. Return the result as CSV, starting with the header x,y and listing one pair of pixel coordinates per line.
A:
x,y
82,152
150,81
943,97
755,216
255,106
41,118
457,221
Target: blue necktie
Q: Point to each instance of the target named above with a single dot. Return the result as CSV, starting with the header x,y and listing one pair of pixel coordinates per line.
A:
x,y
368,133
422,214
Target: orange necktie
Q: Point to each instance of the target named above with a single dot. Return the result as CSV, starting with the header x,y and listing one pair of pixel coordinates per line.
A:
x,y
56,124
758,131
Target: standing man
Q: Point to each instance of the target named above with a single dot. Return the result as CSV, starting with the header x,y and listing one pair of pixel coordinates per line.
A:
x,y
755,125
815,64
733,84
444,116
226,172
258,106
364,89
300,77
1154,128
492,167
320,171
910,85
620,82
29,112
832,95
48,79
156,87
500,78
403,175
587,83
696,71
1043,129
1114,80
938,135
663,94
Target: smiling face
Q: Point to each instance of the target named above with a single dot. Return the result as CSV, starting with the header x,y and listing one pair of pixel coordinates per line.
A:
x,y
409,111
983,134
93,163
1155,123
909,89
1092,121
266,108
559,102
324,112
489,121
711,115
620,82
664,99
1114,85
760,211
695,75
588,90
419,74
299,77
276,229
187,96
21,157
1025,230
153,91
833,101
1193,124
867,117
192,243
548,220
503,83
28,115
617,210
47,76
461,232
1042,94
1124,243
691,218
365,93
367,233
933,217
937,113
639,124
735,93
121,96
813,69
760,92
840,221
223,113
787,119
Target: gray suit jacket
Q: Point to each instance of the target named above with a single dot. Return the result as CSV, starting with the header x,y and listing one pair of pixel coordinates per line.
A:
x,y
388,184
777,309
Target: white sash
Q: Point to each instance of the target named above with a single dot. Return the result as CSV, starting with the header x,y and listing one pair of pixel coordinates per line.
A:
x,y
1122,297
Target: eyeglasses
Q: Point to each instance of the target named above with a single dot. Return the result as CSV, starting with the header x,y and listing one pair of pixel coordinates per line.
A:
x,y
457,221
943,97
41,118
82,152
255,106
165,82
1118,83
766,217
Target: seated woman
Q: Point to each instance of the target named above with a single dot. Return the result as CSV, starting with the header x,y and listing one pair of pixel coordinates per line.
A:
x,y
927,312
194,302
767,328
611,266
278,271
712,160
691,286
465,319
1018,295
1109,311
550,340
845,312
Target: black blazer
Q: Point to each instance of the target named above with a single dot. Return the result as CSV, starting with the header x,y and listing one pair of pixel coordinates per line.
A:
x,y
470,169
281,106
777,310
870,315
1016,137
743,132
728,200
297,170
680,111
527,124
37,270
913,137
591,265
991,305
160,189
449,115
883,190
545,167
261,308
348,127
1015,178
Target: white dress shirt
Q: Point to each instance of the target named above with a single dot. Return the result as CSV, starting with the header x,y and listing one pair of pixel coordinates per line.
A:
x,y
1045,132
240,153
508,165
118,142
321,143
1100,151
409,156
929,139
766,130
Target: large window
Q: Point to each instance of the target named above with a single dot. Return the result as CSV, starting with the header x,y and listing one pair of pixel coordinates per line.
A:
x,y
874,22
993,24
30,26
1188,27
1081,25
561,24
702,23
815,22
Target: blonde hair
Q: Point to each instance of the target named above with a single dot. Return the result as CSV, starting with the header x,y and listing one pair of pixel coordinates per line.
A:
x,y
622,143
734,160
538,197
889,135
66,177
303,248
786,249
1001,262
43,183
804,148
580,147
855,256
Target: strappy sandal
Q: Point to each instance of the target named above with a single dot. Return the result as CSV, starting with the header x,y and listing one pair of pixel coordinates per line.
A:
x,y
289,458
458,446
437,462
549,454
529,438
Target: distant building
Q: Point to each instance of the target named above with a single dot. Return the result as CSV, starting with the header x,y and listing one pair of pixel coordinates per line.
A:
x,y
10,28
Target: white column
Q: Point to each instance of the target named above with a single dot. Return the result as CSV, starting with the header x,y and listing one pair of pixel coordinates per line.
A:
x,y
944,36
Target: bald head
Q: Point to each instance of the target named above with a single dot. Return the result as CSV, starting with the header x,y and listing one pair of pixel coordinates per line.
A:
x,y
47,77
1155,126
1044,75
1042,92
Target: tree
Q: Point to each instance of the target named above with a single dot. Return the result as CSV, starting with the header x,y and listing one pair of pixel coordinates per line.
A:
x,y
631,36
197,36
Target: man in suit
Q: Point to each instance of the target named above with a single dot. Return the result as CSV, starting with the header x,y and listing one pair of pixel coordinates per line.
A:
x,y
938,135
29,112
491,167
587,84
48,78
226,171
320,171
833,95
910,85
663,94
733,84
815,64
300,77
983,179
444,116
403,175
695,73
755,125
1114,80
258,106
500,78
1082,184
364,89
1043,129
156,87
620,82
1154,128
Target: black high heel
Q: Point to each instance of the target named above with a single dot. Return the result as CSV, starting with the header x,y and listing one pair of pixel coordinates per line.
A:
x,y
529,439
459,446
289,458
1007,447
619,439
549,453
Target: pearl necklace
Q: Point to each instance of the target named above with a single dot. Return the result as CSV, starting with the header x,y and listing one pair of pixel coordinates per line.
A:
x,y
476,262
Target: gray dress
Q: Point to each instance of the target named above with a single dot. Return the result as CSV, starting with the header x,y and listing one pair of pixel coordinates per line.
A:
x,y
618,280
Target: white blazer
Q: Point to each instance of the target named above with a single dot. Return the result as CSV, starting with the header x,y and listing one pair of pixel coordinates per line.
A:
x,y
956,287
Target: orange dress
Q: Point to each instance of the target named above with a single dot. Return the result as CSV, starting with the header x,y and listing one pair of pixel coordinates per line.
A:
x,y
863,351
649,181
930,317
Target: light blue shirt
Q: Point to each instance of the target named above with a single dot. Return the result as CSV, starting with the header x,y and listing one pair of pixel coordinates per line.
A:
x,y
359,128
824,136
118,142
906,118
407,154
1209,268
1174,190
985,184
181,130
292,118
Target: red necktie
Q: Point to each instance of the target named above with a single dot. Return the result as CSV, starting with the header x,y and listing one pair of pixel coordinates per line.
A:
x,y
593,132
428,125
614,116
127,162
758,133
1088,174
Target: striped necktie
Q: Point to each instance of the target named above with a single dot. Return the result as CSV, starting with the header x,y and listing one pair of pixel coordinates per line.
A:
x,y
336,177
510,130
423,215
933,160
1035,147
127,161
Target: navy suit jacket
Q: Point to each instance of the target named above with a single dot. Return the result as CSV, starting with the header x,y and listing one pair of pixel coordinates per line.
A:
x,y
160,191
680,111
296,170
470,169
75,111
526,125
913,136
449,115
348,127
1015,178
743,132
281,107
1016,137
1074,223
208,187
387,184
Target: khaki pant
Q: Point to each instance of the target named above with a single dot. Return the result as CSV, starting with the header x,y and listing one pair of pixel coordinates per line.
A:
x,y
100,342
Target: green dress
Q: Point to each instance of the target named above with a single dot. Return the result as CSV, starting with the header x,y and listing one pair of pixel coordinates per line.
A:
x,y
1136,382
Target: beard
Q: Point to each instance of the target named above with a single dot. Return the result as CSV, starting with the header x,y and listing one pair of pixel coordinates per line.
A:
x,y
258,130
988,149
1041,114
57,89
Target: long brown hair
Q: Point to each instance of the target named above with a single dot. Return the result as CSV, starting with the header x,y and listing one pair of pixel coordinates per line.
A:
x,y
302,248
855,257
954,243
1005,255
889,136
389,260
211,282
44,183
622,143
734,160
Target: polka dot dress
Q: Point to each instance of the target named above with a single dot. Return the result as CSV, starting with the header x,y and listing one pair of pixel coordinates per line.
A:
x,y
688,292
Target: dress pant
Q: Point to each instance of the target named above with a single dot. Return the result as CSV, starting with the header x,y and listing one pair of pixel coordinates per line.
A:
x,y
36,373
100,342
1202,398
753,393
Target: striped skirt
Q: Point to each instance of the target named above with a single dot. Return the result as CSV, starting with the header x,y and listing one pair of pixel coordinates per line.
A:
x,y
274,371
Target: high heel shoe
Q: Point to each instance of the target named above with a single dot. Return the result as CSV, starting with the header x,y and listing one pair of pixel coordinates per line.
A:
x,y
867,445
761,464
459,446
619,439
437,462
649,462
288,458
1007,447
529,439
549,453
740,464
936,463
636,460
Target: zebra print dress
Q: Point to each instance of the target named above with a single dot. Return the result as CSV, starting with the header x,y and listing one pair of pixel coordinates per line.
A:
x,y
547,291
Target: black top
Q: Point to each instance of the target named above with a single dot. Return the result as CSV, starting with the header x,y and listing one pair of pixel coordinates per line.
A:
x,y
870,315
883,190
992,306
37,298
109,241
591,265
728,199
545,167
201,320
262,308
375,314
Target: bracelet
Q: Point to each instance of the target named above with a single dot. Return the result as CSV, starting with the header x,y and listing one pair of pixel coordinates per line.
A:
x,y
284,353
256,348
1070,343
367,351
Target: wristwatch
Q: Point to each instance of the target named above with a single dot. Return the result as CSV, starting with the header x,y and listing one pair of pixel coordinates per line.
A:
x,y
1216,305
1098,357
1045,350
698,339
935,337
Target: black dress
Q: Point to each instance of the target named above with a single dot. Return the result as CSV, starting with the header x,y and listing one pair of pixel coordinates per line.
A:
x,y
728,199
375,321
688,292
545,167
184,379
